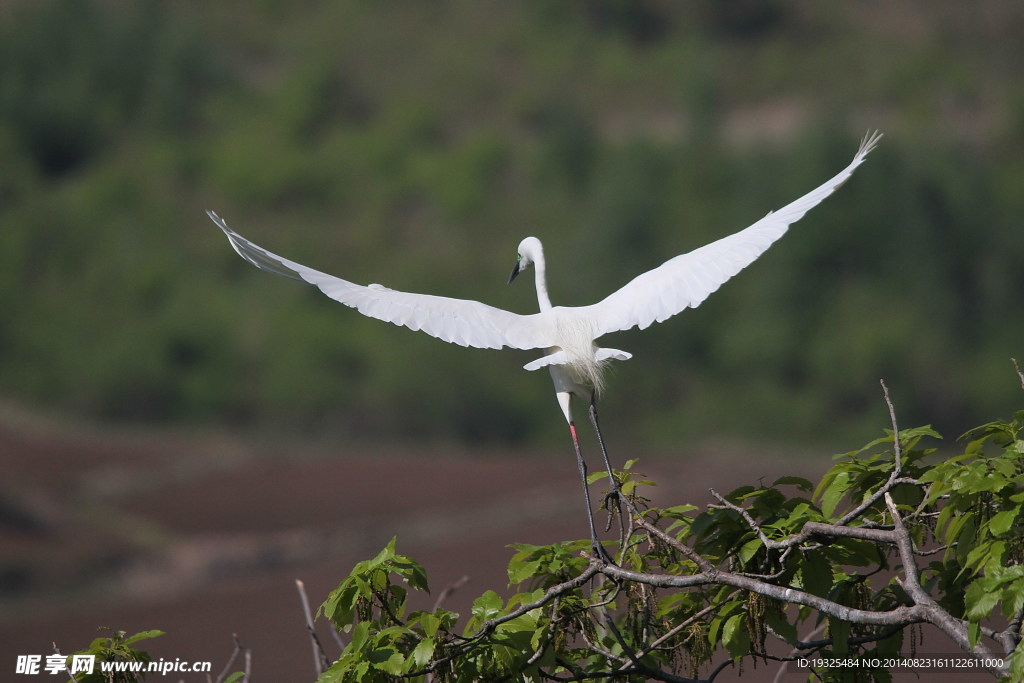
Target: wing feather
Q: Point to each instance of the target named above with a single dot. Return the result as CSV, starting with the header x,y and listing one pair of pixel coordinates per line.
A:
x,y
459,321
687,280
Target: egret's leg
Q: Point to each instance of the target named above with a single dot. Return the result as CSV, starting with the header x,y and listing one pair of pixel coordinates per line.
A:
x,y
614,496
598,548
613,484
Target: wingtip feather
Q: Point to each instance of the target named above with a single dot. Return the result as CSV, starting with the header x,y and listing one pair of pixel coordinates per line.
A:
x,y
869,142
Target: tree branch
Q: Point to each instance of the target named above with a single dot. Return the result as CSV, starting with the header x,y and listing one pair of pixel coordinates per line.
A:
x,y
905,545
1010,637
900,615
809,530
934,613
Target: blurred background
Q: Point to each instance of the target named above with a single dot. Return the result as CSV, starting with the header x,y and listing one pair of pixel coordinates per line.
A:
x,y
156,391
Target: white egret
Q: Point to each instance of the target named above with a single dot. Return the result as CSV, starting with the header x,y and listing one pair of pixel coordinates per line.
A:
x,y
568,334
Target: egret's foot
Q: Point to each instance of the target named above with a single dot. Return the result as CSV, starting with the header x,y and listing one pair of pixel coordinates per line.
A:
x,y
613,498
601,554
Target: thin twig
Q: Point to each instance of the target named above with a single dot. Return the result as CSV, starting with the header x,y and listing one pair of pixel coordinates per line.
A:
x,y
56,651
853,640
796,650
718,669
248,661
543,645
933,551
897,456
247,655
231,660
1020,373
643,652
686,550
321,662
648,670
449,589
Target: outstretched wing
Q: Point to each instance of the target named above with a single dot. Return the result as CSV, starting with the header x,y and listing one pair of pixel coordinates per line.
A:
x,y
459,321
686,280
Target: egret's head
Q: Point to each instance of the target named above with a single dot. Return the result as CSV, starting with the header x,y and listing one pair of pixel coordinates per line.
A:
x,y
529,251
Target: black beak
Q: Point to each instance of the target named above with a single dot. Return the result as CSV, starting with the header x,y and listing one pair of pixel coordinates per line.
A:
x,y
515,271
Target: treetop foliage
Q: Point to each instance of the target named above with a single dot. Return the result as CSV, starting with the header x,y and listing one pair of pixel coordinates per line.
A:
x,y
890,540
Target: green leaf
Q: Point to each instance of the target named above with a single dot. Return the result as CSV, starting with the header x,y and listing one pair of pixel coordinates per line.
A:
x,y
383,556
411,571
816,573
99,644
678,511
387,660
799,482
142,635
974,633
731,625
956,524
750,549
1005,466
487,606
834,493
423,651
980,600
735,636
965,538
740,493
776,619
360,635
840,632
335,674
1002,521
430,623
944,517
1013,598
917,432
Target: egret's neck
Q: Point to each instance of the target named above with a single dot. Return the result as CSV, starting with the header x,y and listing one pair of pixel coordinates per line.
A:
x,y
542,283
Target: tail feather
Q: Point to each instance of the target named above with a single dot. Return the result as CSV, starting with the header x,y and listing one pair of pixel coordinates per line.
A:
x,y
586,370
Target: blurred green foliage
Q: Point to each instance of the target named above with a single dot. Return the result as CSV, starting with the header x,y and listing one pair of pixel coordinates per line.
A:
x,y
415,144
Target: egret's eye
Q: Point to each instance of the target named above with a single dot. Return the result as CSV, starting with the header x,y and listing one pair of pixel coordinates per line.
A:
x,y
519,257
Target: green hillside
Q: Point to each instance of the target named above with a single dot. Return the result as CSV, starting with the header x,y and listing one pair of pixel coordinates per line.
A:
x,y
414,144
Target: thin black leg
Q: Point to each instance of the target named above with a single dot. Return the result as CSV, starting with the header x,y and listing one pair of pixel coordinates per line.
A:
x,y
613,483
599,550
614,496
